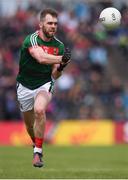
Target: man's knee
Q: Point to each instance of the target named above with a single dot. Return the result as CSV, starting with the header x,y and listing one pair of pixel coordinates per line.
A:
x,y
39,113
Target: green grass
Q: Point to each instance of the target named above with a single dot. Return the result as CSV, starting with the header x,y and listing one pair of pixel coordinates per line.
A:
x,y
66,162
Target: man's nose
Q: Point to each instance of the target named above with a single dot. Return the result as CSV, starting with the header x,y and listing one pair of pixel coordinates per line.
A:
x,y
54,25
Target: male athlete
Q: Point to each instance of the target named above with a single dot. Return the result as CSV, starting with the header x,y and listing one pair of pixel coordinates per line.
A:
x,y
42,60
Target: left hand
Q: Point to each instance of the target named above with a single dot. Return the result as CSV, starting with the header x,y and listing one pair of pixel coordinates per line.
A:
x,y
66,57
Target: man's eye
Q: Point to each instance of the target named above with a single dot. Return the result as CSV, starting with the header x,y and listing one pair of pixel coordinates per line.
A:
x,y
51,23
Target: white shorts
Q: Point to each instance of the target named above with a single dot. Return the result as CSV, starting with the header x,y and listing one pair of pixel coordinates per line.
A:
x,y
26,96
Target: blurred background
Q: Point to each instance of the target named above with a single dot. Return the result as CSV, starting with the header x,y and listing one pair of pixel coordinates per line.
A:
x,y
93,91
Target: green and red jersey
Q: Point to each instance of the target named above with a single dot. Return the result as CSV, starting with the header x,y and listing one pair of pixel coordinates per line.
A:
x,y
32,74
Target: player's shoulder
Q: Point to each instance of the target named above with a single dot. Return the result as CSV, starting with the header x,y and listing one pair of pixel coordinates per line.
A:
x,y
60,43
31,39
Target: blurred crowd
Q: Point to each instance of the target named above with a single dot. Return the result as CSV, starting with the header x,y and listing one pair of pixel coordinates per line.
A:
x,y
87,89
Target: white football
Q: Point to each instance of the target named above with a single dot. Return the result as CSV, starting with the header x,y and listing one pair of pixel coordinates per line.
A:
x,y
110,17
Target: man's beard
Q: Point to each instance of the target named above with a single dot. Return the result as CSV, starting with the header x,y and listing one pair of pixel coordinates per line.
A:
x,y
47,34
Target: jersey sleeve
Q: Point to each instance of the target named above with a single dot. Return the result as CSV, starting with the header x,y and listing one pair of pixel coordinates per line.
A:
x,y
27,43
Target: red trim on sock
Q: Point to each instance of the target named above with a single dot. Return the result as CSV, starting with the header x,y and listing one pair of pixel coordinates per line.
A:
x,y
38,142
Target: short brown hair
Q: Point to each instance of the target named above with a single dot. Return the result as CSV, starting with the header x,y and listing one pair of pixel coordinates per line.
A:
x,y
48,11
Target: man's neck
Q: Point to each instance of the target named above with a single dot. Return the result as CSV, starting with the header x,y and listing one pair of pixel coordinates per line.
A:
x,y
43,37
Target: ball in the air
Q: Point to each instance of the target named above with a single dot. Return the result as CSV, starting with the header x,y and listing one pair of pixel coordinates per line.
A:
x,y
110,17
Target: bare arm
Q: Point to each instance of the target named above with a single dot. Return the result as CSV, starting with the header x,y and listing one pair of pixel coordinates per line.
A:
x,y
43,58
55,73
58,68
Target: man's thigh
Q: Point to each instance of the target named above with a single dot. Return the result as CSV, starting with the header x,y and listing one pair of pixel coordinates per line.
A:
x,y
28,99
25,98
42,100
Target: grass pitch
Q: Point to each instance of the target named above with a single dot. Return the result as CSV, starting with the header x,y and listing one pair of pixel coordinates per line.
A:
x,y
65,162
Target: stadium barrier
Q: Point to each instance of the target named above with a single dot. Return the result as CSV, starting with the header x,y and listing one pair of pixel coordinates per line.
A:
x,y
14,133
94,132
